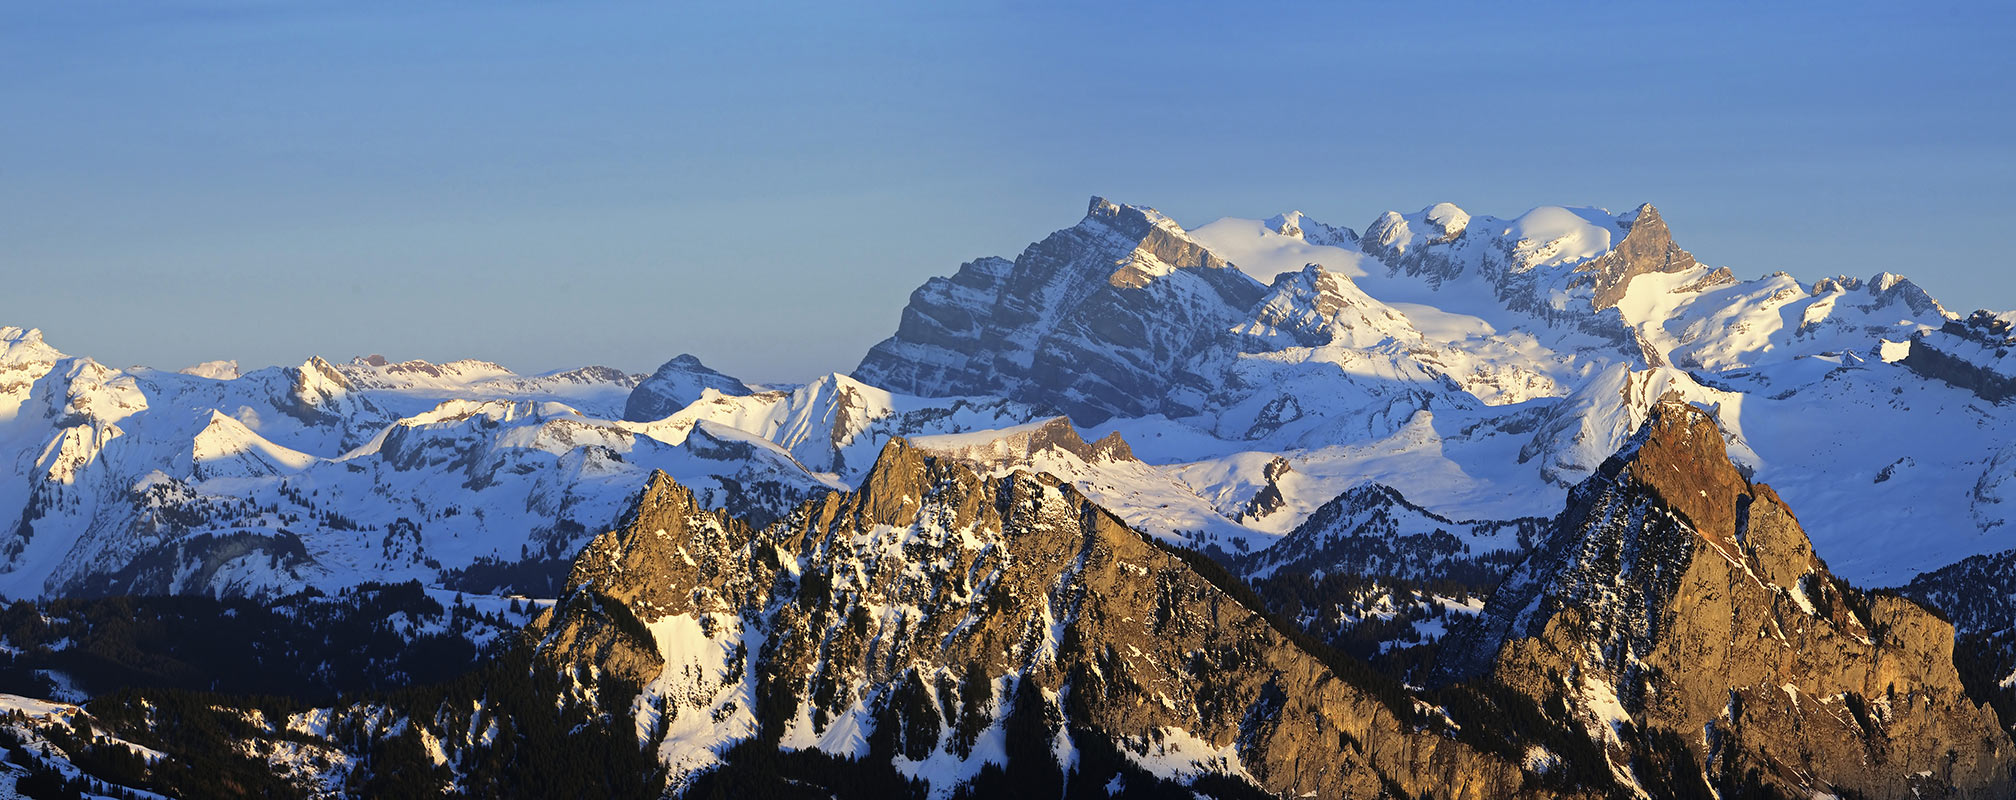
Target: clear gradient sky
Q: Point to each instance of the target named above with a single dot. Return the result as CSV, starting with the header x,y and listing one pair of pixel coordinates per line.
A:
x,y
555,184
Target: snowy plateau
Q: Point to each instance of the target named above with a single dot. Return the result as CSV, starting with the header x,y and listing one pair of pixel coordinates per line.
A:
x,y
1415,400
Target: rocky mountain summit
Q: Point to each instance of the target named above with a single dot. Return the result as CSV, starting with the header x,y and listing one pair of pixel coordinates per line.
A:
x,y
1678,602
1095,320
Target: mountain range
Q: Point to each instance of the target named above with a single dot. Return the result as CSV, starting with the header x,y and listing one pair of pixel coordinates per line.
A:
x,y
1452,506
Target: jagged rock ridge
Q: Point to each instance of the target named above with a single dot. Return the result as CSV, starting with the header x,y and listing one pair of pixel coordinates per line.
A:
x,y
812,633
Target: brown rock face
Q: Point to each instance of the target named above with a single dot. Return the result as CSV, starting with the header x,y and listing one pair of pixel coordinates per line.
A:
x,y
932,581
620,580
1680,607
1647,246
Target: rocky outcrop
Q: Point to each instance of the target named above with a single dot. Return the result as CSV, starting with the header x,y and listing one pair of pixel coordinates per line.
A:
x,y
935,610
1677,606
675,385
1974,354
1270,498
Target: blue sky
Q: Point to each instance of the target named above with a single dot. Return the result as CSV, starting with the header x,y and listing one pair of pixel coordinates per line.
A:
x,y
556,184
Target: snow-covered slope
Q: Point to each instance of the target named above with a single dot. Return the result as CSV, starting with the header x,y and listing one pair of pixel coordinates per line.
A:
x,y
836,425
1153,500
146,481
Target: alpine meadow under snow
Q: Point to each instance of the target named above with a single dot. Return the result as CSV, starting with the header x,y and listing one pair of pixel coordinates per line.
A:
x,y
1114,507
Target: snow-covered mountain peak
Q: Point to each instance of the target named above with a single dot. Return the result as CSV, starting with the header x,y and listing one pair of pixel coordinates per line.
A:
x,y
835,425
25,346
1551,235
1543,262
89,393
1398,233
675,385
1289,224
1646,247
24,359
1262,250
1129,219
1446,218
1296,225
316,373
1019,446
377,372
1160,247
214,370
1316,307
1109,307
1884,289
1991,326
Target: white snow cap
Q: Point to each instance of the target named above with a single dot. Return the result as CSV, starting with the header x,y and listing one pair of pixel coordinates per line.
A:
x,y
214,370
1447,218
1289,224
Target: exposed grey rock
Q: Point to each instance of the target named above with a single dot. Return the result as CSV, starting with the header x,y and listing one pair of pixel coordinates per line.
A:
x,y
1974,354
